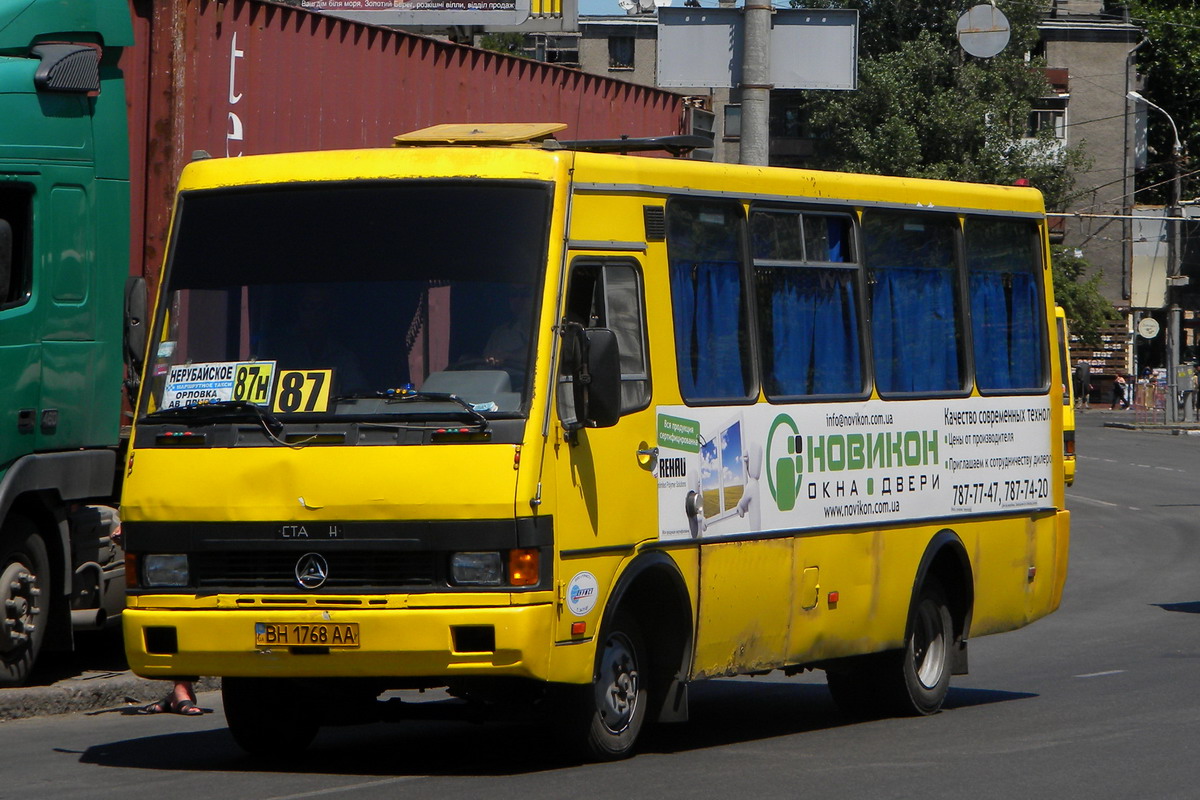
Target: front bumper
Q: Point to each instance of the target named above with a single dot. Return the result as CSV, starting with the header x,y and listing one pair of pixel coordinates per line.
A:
x,y
393,642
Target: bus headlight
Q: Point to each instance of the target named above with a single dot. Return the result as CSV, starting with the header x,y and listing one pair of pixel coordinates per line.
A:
x,y
160,569
477,569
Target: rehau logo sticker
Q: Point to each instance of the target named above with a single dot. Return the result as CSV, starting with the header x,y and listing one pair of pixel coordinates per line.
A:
x,y
581,593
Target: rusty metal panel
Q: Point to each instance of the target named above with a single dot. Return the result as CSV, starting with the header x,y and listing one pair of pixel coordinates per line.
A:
x,y
245,77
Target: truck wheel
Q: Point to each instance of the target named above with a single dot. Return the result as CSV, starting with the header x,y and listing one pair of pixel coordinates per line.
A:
x,y
25,589
613,708
270,718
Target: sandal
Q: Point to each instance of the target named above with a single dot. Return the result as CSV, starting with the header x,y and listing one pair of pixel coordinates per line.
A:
x,y
187,708
158,706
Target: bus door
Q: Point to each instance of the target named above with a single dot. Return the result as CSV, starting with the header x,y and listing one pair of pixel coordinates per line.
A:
x,y
745,581
605,476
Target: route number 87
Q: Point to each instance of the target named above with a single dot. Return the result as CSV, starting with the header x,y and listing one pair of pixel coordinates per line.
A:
x,y
302,390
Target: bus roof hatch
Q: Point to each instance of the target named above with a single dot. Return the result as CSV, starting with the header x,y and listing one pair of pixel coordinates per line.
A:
x,y
480,134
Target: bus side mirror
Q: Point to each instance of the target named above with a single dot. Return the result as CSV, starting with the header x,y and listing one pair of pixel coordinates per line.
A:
x,y
6,255
135,332
596,376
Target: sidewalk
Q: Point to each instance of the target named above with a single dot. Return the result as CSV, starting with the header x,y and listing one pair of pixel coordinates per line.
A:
x,y
1131,419
91,691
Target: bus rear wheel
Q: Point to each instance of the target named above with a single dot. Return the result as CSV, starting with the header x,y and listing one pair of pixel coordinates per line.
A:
x,y
926,661
913,681
269,717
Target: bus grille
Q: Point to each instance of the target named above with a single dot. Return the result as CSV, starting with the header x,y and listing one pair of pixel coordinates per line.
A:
x,y
347,570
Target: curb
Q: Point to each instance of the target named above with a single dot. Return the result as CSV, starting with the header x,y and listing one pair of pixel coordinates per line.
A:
x,y
95,691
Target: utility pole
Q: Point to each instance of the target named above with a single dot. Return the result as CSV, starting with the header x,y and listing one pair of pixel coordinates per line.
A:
x,y
756,86
1175,276
1174,271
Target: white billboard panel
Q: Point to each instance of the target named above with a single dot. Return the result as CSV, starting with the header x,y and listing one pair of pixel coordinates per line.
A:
x,y
425,12
810,48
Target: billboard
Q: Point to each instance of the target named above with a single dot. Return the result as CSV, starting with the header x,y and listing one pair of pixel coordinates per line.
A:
x,y
810,48
436,12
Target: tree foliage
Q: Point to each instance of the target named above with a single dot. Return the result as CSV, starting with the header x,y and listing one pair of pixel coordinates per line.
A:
x,y
512,44
924,108
1079,295
1169,60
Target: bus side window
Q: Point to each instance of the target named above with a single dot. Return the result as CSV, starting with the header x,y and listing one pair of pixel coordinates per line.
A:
x,y
1004,268
915,309
706,251
809,307
608,294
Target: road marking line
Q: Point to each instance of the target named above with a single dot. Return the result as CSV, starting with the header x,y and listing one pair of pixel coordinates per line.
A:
x,y
1090,500
351,787
1101,674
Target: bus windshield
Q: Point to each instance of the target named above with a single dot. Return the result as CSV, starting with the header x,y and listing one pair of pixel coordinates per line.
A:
x,y
322,298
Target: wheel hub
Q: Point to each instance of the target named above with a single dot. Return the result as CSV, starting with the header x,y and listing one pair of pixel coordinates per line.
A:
x,y
19,596
929,642
619,692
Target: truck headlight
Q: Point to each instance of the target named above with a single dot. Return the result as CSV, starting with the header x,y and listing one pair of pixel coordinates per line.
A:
x,y
477,569
160,569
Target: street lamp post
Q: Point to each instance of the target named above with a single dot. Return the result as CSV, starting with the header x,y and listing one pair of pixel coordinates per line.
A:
x,y
1174,257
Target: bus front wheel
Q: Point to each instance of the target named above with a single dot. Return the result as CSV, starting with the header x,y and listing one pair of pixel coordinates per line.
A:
x,y
268,717
605,719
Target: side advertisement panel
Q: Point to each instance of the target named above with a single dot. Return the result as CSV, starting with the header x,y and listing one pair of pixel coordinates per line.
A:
x,y
736,470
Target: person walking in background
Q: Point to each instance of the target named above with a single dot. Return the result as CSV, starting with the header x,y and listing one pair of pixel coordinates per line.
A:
x,y
1119,398
1083,385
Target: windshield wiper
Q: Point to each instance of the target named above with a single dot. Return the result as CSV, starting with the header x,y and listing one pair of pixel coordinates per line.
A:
x,y
411,395
219,411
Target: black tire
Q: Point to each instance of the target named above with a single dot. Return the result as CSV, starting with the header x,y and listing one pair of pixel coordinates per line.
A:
x,y
926,660
603,721
26,586
909,682
269,717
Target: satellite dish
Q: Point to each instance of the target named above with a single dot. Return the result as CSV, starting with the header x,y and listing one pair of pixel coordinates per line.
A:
x,y
630,6
983,31
645,6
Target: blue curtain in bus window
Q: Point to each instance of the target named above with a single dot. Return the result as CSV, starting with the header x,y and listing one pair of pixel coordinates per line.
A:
x,y
914,330
706,297
813,333
1004,263
1004,327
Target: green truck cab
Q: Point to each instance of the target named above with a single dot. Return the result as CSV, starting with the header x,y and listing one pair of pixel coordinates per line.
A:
x,y
64,258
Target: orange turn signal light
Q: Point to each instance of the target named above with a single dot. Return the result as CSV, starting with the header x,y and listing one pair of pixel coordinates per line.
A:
x,y
523,567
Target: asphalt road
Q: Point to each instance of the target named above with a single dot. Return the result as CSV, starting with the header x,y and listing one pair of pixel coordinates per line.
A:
x,y
1097,701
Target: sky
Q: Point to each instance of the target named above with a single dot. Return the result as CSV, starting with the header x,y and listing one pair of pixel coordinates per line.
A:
x,y
601,7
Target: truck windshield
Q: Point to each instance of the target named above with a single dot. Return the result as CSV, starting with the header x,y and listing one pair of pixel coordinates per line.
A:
x,y
336,298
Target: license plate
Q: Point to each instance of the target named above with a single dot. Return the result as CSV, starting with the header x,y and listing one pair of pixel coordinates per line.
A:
x,y
306,634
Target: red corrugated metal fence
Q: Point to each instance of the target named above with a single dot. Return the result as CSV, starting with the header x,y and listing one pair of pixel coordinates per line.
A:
x,y
244,77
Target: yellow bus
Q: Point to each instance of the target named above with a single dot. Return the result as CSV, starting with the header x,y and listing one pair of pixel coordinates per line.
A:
x,y
564,430
1068,394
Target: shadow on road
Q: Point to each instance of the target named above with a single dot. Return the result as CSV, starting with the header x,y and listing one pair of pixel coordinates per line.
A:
x,y
723,712
95,651
1186,608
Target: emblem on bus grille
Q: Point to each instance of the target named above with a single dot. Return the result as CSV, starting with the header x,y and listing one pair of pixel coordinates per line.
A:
x,y
311,571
